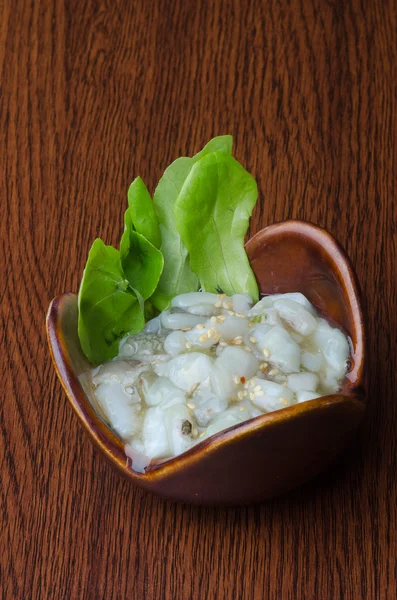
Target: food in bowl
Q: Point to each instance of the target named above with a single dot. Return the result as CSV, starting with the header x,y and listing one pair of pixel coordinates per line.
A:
x,y
181,345
212,362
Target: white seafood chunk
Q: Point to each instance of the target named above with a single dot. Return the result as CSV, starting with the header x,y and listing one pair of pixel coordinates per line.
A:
x,y
241,303
179,424
198,303
223,421
187,370
179,320
163,392
268,301
175,343
231,327
296,316
330,381
312,362
268,395
302,381
280,349
121,407
304,396
118,371
229,367
333,345
143,347
154,434
153,326
207,406
198,337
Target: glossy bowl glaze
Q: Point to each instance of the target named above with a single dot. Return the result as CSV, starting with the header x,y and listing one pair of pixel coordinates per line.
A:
x,y
270,454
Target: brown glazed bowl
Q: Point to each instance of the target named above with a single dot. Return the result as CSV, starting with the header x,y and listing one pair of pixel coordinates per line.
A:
x,y
270,454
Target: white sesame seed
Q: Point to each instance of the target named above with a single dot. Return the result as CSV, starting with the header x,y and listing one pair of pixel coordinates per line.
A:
x,y
284,400
274,372
237,340
202,434
236,379
190,405
200,326
252,396
257,388
194,432
266,352
264,365
253,339
213,319
203,338
223,344
240,395
218,304
230,313
210,333
186,328
221,318
188,345
247,349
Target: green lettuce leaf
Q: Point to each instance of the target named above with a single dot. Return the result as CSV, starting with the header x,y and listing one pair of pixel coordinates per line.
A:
x,y
142,263
178,277
211,214
142,212
108,307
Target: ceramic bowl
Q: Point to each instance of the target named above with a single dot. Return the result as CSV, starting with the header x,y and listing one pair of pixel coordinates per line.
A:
x,y
270,454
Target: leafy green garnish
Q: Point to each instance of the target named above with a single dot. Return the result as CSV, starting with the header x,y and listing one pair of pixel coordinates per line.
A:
x,y
211,214
141,211
142,263
108,307
178,277
191,235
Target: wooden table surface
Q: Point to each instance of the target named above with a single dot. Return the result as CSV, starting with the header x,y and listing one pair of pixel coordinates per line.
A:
x,y
93,94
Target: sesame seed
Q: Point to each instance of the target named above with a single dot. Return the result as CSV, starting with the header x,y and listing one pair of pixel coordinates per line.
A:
x,y
230,313
257,388
186,328
221,318
221,296
284,401
264,365
203,338
223,344
202,434
194,432
228,305
240,395
210,333
213,319
252,396
236,379
240,315
191,405
274,372
253,339
247,349
218,304
200,326
266,352
237,340
188,345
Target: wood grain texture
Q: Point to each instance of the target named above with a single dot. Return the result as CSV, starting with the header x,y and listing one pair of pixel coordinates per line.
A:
x,y
91,95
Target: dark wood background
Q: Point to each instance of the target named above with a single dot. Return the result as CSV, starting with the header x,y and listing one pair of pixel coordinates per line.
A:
x,y
93,94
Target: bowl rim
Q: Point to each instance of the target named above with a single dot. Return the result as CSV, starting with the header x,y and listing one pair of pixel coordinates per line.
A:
x,y
114,449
